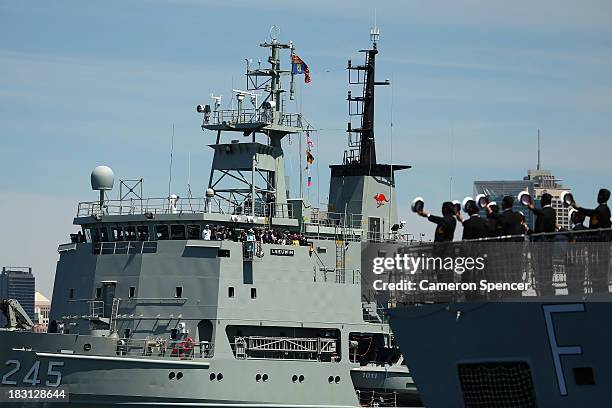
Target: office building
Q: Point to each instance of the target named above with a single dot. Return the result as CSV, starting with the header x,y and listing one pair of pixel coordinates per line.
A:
x,y
18,283
497,189
545,182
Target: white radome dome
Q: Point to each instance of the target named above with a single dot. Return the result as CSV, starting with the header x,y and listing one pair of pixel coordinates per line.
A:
x,y
102,178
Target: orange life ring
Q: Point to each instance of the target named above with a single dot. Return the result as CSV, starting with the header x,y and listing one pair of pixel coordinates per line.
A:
x,y
187,344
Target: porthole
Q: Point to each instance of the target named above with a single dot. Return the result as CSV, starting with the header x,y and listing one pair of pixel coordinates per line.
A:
x,y
219,377
294,378
258,377
330,379
87,347
171,375
337,379
212,376
301,379
180,375
265,377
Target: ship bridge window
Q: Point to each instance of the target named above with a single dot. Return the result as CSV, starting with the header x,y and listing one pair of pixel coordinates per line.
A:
x,y
193,232
143,232
104,234
161,231
129,233
117,233
178,231
94,234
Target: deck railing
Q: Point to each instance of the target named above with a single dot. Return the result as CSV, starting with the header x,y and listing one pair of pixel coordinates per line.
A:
x,y
234,117
159,347
529,267
157,206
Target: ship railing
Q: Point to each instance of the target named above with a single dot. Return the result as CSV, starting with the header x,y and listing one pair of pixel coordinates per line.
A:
x,y
96,308
335,219
158,206
308,348
337,234
234,117
529,267
277,210
252,250
333,225
371,398
160,347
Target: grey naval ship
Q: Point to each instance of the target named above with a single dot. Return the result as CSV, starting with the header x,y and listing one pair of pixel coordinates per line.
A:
x,y
544,346
243,297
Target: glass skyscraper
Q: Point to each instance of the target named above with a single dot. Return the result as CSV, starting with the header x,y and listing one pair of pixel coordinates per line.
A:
x,y
18,283
496,190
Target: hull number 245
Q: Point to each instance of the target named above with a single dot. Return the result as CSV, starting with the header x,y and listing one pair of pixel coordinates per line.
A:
x,y
12,369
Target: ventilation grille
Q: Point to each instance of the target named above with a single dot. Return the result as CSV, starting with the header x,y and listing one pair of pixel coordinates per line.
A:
x,y
499,385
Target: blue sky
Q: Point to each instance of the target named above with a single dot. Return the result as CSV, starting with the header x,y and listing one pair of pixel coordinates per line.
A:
x,y
88,83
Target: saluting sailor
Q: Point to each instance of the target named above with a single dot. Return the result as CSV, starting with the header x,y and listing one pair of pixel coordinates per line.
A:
x,y
445,225
546,223
599,219
443,236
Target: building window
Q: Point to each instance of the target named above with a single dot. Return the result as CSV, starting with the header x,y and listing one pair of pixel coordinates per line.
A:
x,y
132,292
178,292
71,294
230,292
253,293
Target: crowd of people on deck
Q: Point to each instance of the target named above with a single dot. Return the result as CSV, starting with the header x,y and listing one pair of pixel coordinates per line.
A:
x,y
261,235
508,222
589,261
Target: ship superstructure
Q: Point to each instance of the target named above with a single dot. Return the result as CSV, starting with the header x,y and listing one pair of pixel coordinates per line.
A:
x,y
243,297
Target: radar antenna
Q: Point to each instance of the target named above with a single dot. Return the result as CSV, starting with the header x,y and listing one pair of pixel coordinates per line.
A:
x,y
255,168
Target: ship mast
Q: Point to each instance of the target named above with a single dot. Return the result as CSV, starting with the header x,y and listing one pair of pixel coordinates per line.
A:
x,y
362,145
255,168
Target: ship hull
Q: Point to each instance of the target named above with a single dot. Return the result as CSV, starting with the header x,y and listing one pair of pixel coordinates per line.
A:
x,y
538,353
99,378
393,384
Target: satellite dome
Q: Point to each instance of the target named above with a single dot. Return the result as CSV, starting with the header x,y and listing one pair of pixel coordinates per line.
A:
x,y
210,192
102,178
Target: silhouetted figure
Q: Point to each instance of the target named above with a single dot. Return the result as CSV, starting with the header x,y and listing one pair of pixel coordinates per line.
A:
x,y
546,222
599,219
